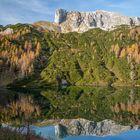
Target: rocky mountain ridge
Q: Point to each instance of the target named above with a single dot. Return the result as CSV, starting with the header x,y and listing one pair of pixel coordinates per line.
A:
x,y
75,21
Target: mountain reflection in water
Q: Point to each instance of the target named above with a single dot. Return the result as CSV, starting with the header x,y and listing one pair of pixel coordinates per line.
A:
x,y
49,131
121,105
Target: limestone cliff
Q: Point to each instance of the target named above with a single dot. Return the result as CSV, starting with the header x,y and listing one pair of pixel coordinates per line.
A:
x,y
83,21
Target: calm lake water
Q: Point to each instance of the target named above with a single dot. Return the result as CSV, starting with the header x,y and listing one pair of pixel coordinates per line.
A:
x,y
121,105
49,131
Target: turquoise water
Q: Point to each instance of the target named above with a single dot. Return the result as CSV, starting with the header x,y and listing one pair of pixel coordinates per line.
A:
x,y
50,132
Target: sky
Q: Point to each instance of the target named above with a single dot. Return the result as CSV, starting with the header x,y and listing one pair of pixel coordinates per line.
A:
x,y
29,11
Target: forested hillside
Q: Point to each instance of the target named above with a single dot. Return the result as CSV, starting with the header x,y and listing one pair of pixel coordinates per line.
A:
x,y
30,56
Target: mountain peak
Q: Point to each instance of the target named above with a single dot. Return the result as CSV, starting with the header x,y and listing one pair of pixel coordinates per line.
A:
x,y
82,21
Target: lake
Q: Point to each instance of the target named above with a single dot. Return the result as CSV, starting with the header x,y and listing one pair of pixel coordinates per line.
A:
x,y
121,105
49,131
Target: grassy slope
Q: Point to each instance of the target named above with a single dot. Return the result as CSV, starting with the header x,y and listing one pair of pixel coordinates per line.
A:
x,y
84,59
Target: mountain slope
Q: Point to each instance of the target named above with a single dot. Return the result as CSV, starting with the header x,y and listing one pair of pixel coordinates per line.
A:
x,y
21,49
95,57
30,57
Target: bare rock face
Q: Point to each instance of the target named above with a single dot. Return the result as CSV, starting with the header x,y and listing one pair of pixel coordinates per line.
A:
x,y
8,31
83,21
90,128
47,26
60,15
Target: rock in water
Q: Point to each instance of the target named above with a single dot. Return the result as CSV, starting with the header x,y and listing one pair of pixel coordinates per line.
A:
x,y
83,21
